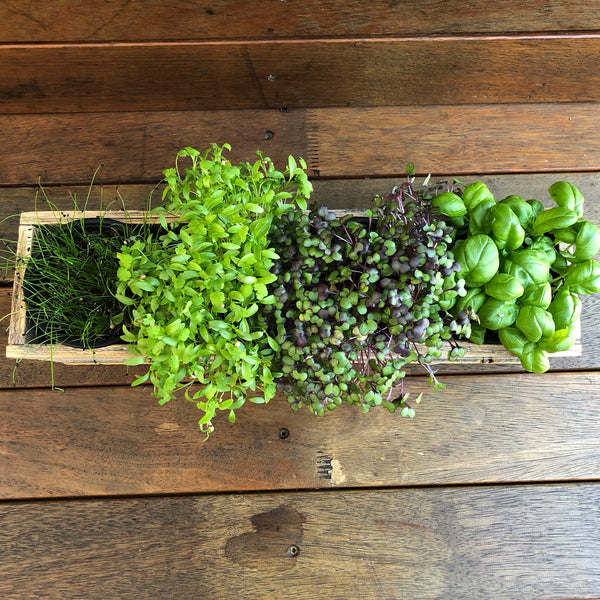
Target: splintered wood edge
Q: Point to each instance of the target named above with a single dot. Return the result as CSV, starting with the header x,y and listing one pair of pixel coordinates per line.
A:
x,y
17,348
33,218
16,330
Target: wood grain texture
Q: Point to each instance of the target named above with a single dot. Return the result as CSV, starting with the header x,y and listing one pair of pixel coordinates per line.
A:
x,y
136,147
497,138
337,142
135,20
520,543
114,77
118,441
298,73
429,71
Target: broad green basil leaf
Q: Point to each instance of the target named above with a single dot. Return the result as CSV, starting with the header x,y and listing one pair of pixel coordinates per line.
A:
x,y
535,322
534,360
536,206
584,277
560,340
554,218
534,262
495,314
565,194
587,242
480,217
567,235
504,287
513,340
537,294
449,204
472,301
517,271
506,229
476,193
522,209
545,244
478,258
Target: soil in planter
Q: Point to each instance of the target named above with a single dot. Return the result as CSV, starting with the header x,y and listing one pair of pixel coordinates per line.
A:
x,y
69,283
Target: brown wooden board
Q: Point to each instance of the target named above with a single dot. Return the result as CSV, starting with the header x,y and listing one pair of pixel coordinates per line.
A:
x,y
118,441
136,147
428,71
337,142
454,139
519,543
98,20
298,73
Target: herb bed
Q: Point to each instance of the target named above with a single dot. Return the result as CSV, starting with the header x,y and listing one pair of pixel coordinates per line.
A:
x,y
20,344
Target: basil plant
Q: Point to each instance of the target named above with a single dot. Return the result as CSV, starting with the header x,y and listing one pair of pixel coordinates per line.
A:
x,y
525,267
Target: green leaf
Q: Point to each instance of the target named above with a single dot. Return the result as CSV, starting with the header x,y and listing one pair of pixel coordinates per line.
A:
x,y
230,246
584,277
566,195
553,218
247,260
260,227
478,258
255,208
141,379
134,361
449,204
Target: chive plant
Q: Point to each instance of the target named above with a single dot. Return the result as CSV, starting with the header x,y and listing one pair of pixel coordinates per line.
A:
x,y
70,282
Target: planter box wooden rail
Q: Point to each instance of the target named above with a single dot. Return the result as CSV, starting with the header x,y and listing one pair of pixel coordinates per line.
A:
x,y
20,347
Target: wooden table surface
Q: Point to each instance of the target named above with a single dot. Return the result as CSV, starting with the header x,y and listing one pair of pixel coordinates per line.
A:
x,y
490,492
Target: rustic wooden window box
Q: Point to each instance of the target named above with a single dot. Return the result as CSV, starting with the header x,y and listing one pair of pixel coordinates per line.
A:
x,y
21,347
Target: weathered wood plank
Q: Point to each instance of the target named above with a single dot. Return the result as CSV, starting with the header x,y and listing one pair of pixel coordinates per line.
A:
x,y
136,147
497,138
337,142
99,20
428,71
298,73
520,543
113,77
118,441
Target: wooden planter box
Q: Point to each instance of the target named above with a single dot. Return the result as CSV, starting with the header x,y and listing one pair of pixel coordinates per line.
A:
x,y
19,347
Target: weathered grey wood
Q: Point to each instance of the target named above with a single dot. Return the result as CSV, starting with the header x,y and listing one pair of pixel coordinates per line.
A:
x,y
100,20
337,142
117,441
521,543
237,75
